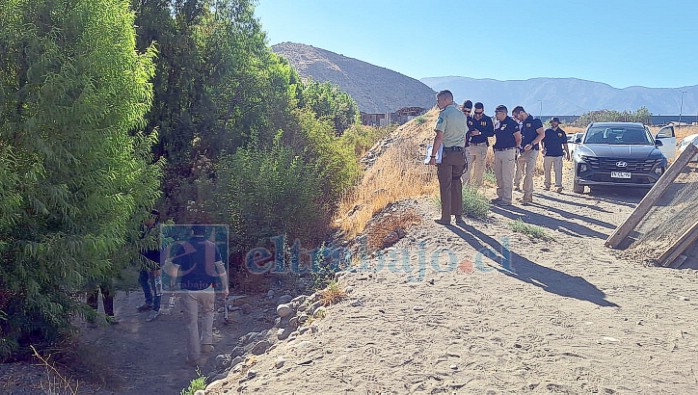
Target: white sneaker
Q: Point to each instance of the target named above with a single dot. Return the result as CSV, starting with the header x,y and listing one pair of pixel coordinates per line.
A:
x,y
153,315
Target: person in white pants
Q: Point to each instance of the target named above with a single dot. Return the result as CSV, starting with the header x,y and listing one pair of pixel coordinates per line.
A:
x,y
554,147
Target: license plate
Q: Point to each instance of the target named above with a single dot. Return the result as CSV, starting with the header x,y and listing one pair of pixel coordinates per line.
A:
x,y
620,174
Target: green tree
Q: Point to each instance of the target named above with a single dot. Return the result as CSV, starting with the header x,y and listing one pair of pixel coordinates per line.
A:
x,y
642,115
329,102
73,91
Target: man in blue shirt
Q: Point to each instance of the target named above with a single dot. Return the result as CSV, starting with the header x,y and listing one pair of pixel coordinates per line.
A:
x,y
554,145
197,265
480,127
507,138
532,132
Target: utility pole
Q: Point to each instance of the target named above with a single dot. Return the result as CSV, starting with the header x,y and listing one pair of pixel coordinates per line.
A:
x,y
540,114
681,110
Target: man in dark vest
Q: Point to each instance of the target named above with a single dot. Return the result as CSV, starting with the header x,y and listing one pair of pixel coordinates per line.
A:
x,y
198,265
532,132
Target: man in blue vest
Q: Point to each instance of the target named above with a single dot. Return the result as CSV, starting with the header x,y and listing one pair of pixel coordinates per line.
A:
x,y
554,146
532,132
198,265
507,139
480,127
450,132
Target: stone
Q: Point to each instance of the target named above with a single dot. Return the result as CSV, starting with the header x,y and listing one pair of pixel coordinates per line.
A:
x,y
300,299
277,322
251,374
283,333
260,347
303,329
246,308
270,293
320,312
200,392
237,351
305,347
349,289
292,336
302,318
223,361
285,299
280,361
236,361
284,310
314,328
314,307
293,323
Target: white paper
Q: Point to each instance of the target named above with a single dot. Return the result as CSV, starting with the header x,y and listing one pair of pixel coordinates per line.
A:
x,y
439,155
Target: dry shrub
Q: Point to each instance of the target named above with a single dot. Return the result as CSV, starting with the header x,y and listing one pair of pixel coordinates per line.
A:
x,y
388,228
332,294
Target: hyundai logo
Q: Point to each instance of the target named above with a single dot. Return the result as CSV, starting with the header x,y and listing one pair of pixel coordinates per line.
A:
x,y
621,164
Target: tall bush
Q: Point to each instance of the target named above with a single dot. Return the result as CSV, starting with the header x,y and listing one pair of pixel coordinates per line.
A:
x,y
72,90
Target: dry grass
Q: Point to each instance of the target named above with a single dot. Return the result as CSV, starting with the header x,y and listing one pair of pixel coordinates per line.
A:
x,y
332,294
398,174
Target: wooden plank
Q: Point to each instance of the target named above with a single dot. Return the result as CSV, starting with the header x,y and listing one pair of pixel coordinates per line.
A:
x,y
678,248
651,198
678,262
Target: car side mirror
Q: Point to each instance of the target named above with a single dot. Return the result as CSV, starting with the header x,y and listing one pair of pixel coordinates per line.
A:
x,y
658,143
577,140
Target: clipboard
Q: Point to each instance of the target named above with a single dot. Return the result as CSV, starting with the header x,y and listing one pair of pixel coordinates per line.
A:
x,y
439,155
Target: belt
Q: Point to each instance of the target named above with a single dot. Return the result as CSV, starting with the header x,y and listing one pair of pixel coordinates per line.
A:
x,y
454,148
503,149
476,144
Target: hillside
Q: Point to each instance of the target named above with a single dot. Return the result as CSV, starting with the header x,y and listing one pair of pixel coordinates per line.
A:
x,y
375,89
568,96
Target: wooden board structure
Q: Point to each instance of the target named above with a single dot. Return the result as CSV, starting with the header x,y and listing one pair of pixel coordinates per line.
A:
x,y
622,231
679,247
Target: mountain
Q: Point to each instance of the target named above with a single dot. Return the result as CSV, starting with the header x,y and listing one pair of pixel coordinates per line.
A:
x,y
567,96
375,89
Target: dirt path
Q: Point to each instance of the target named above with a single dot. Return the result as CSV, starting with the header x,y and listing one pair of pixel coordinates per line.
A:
x,y
139,357
570,317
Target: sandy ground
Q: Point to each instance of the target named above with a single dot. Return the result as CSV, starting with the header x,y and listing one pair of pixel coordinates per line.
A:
x,y
570,316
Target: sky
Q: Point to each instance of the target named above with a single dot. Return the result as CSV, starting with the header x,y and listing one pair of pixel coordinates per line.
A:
x,y
621,43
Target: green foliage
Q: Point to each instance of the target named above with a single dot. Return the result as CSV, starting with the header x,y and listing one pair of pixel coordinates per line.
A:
x,y
328,102
361,138
490,177
475,204
642,115
420,120
75,174
268,193
532,231
199,383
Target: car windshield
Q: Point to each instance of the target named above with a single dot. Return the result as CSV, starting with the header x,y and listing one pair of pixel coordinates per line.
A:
x,y
628,135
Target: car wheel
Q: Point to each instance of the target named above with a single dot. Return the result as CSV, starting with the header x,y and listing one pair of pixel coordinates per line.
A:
x,y
577,188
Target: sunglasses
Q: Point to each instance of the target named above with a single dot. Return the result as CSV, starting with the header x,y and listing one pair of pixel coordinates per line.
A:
x,y
466,111
478,112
